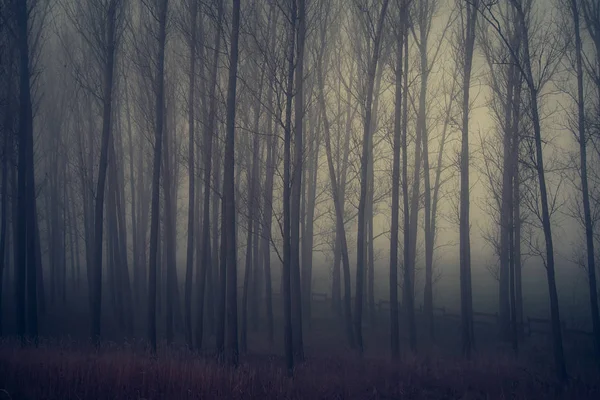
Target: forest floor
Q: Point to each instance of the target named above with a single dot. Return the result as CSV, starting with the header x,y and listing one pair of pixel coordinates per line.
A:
x,y
65,372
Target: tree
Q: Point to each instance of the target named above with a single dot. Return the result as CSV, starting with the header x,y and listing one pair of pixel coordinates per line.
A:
x,y
468,16
161,16
208,145
335,190
583,164
534,84
189,266
296,182
370,83
229,192
394,323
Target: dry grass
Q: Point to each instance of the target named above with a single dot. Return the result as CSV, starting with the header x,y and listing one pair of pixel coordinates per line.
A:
x,y
56,371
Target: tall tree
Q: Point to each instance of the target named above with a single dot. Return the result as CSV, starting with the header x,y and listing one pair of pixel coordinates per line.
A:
x,y
583,165
335,190
229,192
370,83
208,145
394,323
189,266
287,254
296,183
161,16
468,16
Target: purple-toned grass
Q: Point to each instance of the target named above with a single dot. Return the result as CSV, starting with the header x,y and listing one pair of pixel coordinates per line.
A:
x,y
69,372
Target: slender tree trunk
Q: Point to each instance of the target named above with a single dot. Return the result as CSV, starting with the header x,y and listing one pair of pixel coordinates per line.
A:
x,y
360,270
587,215
158,143
222,280
26,186
504,312
428,303
465,245
189,264
394,323
3,220
96,293
268,192
296,186
286,274
229,193
517,209
335,191
252,176
208,145
137,278
546,223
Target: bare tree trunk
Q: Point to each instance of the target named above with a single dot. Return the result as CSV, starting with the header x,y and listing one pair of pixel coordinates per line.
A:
x,y
504,311
429,247
229,193
3,219
516,253
360,270
405,197
394,323
335,191
589,231
286,274
158,143
189,264
222,280
465,246
268,192
96,293
308,235
208,145
296,184
370,258
252,179
26,187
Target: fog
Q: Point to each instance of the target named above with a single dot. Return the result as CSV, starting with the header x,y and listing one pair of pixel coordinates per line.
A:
x,y
194,172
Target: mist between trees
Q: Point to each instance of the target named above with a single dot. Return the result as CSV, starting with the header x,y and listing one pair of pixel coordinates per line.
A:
x,y
213,172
